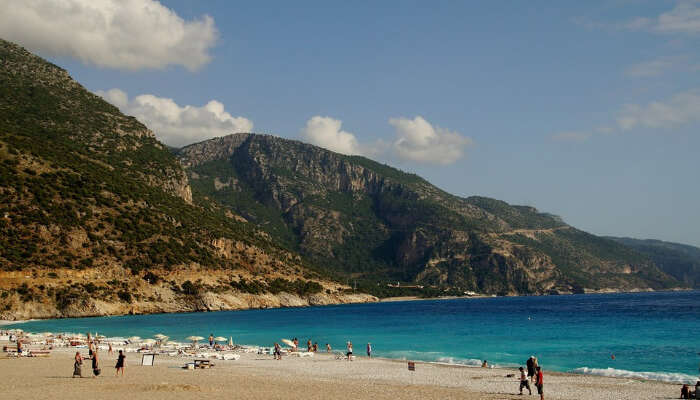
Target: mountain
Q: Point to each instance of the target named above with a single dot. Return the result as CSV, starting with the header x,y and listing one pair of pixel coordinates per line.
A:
x,y
681,261
367,222
97,217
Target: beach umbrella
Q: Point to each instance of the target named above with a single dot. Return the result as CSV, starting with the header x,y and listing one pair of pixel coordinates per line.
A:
x,y
148,341
220,339
230,341
159,336
194,338
288,342
134,339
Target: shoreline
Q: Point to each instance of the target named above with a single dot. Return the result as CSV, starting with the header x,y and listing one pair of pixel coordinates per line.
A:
x,y
4,322
256,376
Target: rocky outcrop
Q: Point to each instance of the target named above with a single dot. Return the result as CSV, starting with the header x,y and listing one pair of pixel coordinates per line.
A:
x,y
117,291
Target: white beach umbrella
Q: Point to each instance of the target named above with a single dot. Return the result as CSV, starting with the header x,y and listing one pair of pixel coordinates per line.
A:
x,y
194,338
148,341
288,342
159,336
230,341
220,339
134,339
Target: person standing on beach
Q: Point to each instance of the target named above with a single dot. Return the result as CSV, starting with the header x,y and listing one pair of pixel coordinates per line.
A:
x,y
110,351
211,340
349,353
19,347
328,348
524,383
121,360
95,364
530,364
78,365
369,350
539,383
309,346
278,352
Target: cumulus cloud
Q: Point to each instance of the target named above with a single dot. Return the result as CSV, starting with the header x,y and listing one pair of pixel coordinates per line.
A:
x,y
326,132
178,125
418,140
123,34
683,18
680,109
571,136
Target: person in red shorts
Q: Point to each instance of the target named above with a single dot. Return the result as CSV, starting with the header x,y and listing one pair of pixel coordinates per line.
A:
x,y
539,384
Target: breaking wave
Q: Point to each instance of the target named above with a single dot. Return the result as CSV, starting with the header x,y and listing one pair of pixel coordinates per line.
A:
x,y
622,373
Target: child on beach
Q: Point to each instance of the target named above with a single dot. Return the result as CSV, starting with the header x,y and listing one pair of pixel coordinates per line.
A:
x,y
539,383
524,383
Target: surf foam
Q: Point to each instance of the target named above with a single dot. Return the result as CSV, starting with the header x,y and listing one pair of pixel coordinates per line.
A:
x,y
622,373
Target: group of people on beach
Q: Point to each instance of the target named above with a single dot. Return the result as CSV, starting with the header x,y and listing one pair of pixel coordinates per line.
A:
x,y
95,360
534,375
687,393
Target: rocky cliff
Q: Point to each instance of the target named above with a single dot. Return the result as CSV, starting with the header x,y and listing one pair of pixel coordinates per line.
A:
x,y
365,221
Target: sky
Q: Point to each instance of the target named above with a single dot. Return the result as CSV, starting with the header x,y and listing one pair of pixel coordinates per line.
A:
x,y
588,110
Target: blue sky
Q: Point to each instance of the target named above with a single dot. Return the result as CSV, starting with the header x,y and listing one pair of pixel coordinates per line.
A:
x,y
589,110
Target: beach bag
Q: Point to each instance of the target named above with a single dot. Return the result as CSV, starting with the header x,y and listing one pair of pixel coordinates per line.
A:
x,y
97,371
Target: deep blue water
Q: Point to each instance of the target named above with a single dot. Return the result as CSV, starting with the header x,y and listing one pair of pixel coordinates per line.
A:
x,y
646,332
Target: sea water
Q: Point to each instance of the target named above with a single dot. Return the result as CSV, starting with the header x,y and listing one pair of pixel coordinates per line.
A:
x,y
640,335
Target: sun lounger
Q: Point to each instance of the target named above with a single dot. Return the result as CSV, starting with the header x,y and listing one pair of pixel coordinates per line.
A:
x,y
228,356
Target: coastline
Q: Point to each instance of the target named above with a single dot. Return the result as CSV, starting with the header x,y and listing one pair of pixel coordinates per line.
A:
x,y
256,376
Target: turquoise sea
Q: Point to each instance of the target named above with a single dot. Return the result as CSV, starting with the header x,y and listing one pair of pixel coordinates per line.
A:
x,y
650,335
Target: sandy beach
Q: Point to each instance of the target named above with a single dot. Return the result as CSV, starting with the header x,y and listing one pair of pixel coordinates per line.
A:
x,y
256,376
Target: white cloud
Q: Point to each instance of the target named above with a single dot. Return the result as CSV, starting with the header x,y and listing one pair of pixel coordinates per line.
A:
x,y
649,68
418,140
175,125
571,136
124,34
683,18
326,132
680,109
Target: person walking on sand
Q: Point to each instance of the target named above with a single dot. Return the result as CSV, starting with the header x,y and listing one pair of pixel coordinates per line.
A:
x,y
369,350
95,364
524,382
349,353
110,351
278,352
121,360
539,383
78,365
328,348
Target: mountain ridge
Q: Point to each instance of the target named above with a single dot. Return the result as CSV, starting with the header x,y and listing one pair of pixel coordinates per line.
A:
x,y
362,219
